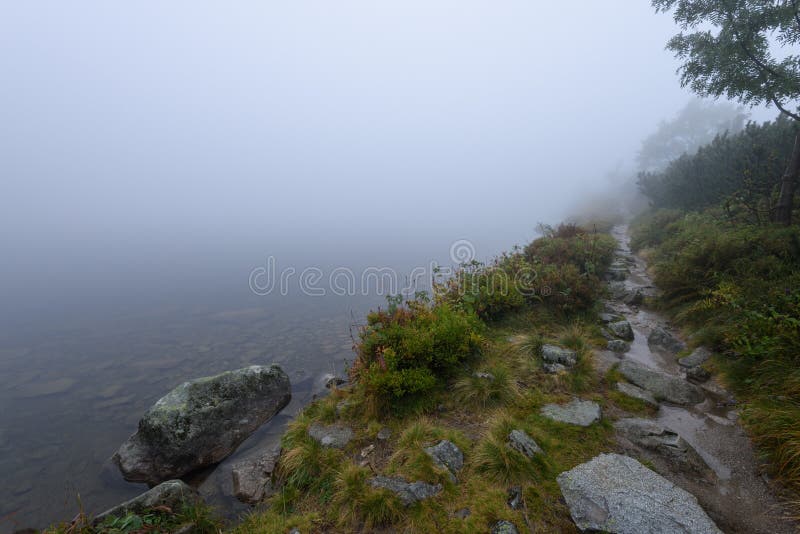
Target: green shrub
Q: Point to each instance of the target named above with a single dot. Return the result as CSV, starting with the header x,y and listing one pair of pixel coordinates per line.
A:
x,y
410,349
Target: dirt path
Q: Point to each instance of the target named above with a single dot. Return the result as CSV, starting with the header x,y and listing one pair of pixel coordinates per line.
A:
x,y
737,496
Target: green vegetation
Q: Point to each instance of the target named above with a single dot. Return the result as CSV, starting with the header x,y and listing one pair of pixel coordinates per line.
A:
x,y
465,367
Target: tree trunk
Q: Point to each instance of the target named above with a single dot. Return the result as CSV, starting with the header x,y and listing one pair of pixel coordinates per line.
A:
x,y
783,211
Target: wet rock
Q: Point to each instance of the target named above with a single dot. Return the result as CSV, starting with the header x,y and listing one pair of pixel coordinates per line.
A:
x,y
408,492
252,477
333,436
634,297
553,368
201,422
577,412
618,290
172,494
698,375
662,441
514,500
663,386
384,433
661,339
617,273
637,393
622,329
699,356
617,494
554,354
504,527
522,442
332,381
609,317
446,455
618,346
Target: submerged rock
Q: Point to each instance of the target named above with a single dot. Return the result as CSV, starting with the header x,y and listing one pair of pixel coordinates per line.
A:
x,y
252,477
660,338
522,442
663,386
201,422
616,494
408,492
637,393
577,412
622,329
334,436
173,494
554,354
699,356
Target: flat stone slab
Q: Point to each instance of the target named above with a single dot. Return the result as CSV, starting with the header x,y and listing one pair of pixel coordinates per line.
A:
x,y
333,436
252,477
576,412
407,492
615,493
663,386
637,393
664,442
699,356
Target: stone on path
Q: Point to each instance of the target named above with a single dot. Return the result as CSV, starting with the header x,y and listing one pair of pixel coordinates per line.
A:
x,y
661,339
699,356
618,346
662,441
662,385
616,494
622,329
576,412
637,393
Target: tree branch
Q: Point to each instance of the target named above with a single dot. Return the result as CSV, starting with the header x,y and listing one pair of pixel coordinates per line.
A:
x,y
783,110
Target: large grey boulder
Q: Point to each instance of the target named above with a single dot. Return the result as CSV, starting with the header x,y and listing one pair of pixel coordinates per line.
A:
x,y
201,422
663,386
333,436
661,339
616,494
698,375
622,329
576,412
173,494
699,356
554,354
252,477
637,393
520,441
447,456
662,441
407,492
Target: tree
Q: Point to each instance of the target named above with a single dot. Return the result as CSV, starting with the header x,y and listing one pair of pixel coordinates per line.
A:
x,y
729,48
694,126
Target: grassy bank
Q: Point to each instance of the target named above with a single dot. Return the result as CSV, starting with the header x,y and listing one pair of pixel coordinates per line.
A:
x,y
735,287
421,371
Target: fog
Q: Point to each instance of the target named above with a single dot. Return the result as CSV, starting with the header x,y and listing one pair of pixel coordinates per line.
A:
x,y
154,146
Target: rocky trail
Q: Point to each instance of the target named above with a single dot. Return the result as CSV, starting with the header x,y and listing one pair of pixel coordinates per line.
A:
x,y
694,439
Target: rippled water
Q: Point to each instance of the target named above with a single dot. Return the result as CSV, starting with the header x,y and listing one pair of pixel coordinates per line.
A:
x,y
69,398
